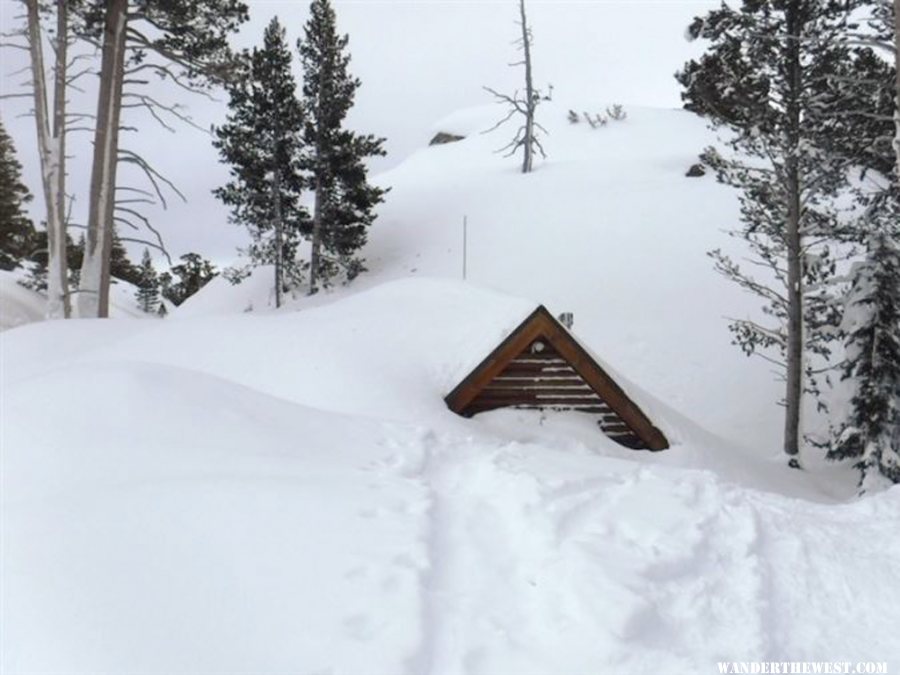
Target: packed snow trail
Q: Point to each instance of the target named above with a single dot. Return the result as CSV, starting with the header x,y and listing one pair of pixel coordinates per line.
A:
x,y
611,566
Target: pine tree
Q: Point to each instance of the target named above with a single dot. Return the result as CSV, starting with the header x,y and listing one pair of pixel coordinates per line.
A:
x,y
193,274
166,287
335,158
148,285
863,125
871,432
767,78
16,231
120,265
262,142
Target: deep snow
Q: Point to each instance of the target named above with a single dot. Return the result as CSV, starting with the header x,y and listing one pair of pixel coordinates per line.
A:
x,y
20,305
288,493
237,489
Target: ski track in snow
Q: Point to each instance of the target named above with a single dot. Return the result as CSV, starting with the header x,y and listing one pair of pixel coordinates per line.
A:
x,y
629,569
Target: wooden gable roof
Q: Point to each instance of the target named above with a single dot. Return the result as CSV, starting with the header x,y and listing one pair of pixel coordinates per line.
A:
x,y
541,366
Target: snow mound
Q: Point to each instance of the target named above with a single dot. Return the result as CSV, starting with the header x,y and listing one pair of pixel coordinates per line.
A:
x,y
220,296
286,492
18,305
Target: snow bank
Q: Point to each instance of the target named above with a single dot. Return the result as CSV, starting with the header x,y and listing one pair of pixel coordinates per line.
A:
x,y
18,305
220,296
286,492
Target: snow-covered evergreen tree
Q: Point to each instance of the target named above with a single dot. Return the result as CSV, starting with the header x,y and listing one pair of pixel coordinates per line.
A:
x,y
870,434
193,273
335,156
262,142
767,81
148,285
16,230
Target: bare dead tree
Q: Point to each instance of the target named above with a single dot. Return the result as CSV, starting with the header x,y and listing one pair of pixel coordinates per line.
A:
x,y
51,127
180,42
140,62
93,297
523,104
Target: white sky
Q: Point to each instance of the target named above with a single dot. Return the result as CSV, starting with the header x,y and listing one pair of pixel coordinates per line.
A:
x,y
419,60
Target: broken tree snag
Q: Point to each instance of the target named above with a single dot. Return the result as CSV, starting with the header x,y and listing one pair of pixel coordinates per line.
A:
x,y
540,366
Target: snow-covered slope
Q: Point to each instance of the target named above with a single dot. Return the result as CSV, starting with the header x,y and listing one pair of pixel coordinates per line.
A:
x,y
608,227
288,493
235,489
20,305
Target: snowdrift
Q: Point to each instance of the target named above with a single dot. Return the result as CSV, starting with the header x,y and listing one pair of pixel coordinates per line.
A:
x,y
20,305
286,492
607,227
237,489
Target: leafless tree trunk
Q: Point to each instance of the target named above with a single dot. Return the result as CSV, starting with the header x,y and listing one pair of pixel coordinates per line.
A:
x,y
530,98
52,149
794,378
524,105
93,298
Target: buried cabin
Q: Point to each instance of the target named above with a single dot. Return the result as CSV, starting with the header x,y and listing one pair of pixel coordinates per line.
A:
x,y
541,366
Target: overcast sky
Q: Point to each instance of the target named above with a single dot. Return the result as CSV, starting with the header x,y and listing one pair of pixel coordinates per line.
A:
x,y
419,60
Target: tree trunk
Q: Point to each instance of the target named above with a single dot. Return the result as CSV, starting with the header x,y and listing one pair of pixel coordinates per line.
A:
x,y
279,233
315,256
52,148
897,93
93,292
528,144
793,244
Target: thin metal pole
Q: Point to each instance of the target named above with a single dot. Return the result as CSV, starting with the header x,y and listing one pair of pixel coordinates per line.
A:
x,y
465,244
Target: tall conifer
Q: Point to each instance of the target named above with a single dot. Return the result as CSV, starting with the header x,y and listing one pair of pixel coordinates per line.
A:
x,y
148,285
768,79
870,433
261,141
335,157
16,230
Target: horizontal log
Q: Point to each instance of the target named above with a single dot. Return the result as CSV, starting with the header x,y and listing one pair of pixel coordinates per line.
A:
x,y
543,400
539,388
539,371
475,408
549,378
539,358
616,429
609,417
